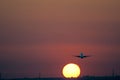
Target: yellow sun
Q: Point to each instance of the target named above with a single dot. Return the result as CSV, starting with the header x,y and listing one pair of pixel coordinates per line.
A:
x,y
71,70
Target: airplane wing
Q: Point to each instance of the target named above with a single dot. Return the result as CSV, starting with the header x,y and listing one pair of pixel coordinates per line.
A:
x,y
86,56
76,56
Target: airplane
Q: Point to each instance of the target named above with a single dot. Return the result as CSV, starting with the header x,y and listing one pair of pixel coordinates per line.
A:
x,y
82,56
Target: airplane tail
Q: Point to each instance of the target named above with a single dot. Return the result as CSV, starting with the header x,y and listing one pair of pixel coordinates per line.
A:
x,y
81,54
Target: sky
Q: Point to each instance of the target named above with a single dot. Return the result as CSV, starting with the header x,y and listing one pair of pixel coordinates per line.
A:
x,y
41,36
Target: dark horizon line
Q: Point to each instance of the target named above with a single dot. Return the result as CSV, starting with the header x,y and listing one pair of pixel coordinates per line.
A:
x,y
87,76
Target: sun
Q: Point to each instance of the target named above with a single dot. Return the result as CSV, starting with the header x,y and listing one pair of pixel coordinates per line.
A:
x,y
71,70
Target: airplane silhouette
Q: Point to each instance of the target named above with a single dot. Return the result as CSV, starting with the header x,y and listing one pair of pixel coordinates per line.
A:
x,y
82,56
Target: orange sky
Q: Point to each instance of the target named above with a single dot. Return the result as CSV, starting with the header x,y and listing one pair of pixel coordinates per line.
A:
x,y
43,35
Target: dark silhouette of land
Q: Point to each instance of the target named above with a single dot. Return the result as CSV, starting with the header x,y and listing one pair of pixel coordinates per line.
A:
x,y
81,78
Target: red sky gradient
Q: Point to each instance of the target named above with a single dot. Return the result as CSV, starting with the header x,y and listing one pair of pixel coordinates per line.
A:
x,y
41,36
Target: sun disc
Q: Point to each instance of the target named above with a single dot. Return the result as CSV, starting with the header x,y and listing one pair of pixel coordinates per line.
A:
x,y
71,70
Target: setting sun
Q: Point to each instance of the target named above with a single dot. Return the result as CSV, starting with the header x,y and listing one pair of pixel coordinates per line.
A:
x,y
71,70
